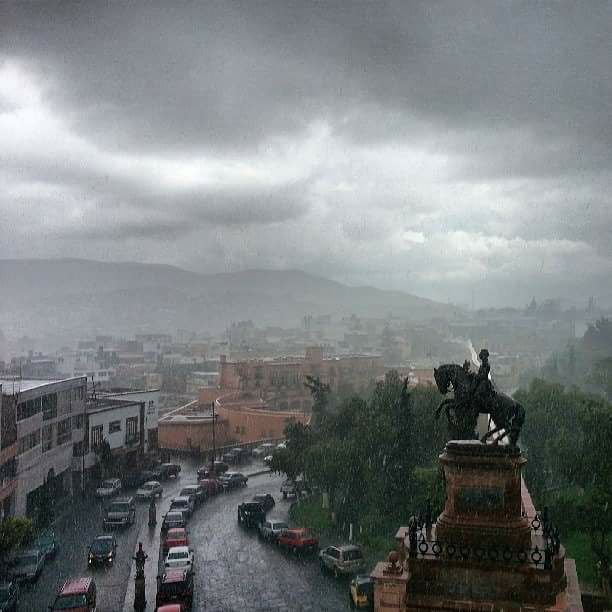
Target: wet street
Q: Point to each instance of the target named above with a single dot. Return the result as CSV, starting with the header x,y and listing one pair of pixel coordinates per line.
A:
x,y
234,569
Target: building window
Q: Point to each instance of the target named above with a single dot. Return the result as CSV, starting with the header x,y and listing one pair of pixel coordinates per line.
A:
x,y
97,435
77,421
28,442
47,438
78,449
131,430
25,410
49,406
64,431
237,429
114,426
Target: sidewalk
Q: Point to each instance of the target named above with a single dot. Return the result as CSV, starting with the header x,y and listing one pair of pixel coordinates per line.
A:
x,y
151,542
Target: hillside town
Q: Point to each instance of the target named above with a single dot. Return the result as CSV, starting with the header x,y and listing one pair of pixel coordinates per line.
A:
x,y
305,306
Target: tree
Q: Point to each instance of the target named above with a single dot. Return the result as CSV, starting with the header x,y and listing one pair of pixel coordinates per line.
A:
x,y
14,532
320,394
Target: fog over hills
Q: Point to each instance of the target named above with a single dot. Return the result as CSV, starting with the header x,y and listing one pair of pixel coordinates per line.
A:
x,y
72,298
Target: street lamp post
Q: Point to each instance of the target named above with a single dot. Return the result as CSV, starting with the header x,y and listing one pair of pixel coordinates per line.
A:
x,y
214,453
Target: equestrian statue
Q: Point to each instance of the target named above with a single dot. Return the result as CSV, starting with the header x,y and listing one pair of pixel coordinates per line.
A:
x,y
474,394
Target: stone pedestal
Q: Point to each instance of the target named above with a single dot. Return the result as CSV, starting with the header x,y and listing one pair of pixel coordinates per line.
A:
x,y
390,591
488,551
483,496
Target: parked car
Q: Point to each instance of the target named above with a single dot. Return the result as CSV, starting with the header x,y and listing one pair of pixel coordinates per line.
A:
x,y
343,559
132,480
102,550
211,485
9,596
298,540
176,536
266,500
264,449
175,586
47,543
203,471
195,491
270,529
233,480
241,455
109,487
184,504
281,445
288,488
251,514
173,520
27,565
361,592
179,556
149,489
268,460
169,470
153,473
77,594
120,513
220,467
229,458
171,608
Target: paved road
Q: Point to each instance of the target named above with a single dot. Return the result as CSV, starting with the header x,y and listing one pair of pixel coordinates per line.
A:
x,y
234,569
75,532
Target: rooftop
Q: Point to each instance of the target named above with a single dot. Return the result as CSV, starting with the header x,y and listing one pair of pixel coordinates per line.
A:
x,y
19,385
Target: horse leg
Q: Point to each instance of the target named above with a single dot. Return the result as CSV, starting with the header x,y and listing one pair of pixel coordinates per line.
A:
x,y
444,404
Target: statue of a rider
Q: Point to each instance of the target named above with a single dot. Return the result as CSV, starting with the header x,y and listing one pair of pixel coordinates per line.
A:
x,y
481,389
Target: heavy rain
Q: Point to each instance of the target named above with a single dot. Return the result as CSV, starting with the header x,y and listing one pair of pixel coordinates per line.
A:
x,y
305,306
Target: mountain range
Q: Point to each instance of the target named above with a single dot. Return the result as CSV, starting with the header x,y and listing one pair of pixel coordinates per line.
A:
x,y
75,298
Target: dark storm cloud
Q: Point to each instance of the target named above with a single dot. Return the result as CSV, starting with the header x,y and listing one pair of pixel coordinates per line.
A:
x,y
374,134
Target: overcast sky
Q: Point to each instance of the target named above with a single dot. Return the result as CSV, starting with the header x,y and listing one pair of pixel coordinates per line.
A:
x,y
440,148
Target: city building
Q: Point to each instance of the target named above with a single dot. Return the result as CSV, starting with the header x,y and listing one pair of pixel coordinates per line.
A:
x,y
150,398
280,382
119,422
8,455
50,420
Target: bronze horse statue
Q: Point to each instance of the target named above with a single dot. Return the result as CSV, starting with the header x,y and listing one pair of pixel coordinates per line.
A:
x,y
474,396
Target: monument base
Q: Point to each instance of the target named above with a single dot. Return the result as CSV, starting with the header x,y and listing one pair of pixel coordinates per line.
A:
x,y
483,495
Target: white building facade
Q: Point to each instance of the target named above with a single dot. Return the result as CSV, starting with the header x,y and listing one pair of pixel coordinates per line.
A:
x,y
50,422
150,398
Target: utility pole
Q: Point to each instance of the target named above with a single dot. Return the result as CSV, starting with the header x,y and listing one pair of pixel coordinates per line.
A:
x,y
214,453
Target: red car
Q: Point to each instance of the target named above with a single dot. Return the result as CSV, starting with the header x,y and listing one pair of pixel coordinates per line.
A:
x,y
171,608
211,485
177,536
175,586
298,540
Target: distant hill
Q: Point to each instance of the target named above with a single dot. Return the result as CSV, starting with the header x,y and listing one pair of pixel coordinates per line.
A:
x,y
72,298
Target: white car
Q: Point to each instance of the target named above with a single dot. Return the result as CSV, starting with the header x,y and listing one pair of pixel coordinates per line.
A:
x,y
263,450
281,445
272,528
149,489
108,488
179,556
